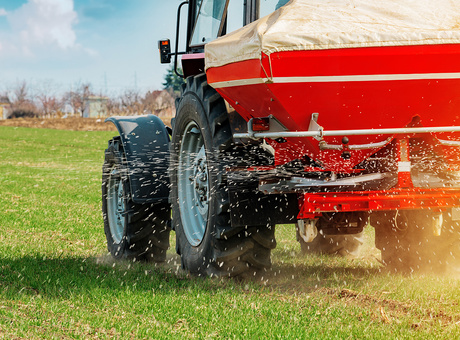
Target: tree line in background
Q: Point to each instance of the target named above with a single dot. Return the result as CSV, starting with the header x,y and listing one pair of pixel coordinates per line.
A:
x,y
26,100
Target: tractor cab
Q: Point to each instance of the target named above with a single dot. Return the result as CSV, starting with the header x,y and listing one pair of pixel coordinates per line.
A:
x,y
209,20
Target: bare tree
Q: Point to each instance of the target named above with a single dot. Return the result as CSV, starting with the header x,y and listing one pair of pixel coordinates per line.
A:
x,y
22,105
113,107
160,103
21,93
131,102
76,97
5,97
47,97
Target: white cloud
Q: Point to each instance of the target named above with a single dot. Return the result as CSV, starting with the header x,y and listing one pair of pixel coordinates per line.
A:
x,y
40,23
3,12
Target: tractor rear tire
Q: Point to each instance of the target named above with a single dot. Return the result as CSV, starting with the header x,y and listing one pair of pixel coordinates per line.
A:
x,y
201,148
407,241
133,231
448,249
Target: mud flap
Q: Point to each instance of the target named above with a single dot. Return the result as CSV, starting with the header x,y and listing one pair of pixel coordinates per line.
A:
x,y
146,143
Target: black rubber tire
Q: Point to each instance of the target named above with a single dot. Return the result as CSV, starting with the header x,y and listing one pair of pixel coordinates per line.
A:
x,y
342,245
448,249
145,234
408,244
223,250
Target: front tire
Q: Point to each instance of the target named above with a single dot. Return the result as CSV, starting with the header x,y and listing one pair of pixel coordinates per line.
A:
x,y
201,149
133,231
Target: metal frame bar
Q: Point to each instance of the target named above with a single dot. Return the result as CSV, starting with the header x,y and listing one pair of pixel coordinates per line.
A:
x,y
176,49
325,146
324,133
449,142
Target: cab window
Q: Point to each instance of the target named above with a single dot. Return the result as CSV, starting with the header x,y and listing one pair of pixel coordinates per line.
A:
x,y
197,8
268,6
209,23
235,15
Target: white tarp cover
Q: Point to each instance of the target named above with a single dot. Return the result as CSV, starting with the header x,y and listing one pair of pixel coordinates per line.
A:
x,y
332,24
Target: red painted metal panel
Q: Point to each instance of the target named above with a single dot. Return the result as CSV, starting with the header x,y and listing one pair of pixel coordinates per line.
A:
x,y
395,199
344,104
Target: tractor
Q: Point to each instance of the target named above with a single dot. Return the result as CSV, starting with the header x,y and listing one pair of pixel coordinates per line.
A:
x,y
293,113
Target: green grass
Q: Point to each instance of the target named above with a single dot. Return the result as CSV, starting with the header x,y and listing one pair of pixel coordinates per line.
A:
x,y
57,281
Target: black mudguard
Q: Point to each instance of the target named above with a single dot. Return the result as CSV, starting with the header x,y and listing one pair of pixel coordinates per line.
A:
x,y
146,143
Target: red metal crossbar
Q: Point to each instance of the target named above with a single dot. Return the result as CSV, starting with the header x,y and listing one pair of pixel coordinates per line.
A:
x,y
396,199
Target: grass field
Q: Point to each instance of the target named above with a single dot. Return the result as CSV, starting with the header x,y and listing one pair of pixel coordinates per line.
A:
x,y
57,281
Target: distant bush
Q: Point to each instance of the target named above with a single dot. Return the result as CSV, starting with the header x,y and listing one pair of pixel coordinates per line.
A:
x,y
24,110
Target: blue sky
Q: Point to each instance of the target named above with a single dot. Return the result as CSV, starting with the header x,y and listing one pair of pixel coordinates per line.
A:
x,y
67,42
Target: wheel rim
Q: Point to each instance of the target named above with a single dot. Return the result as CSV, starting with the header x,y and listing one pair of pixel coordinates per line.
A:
x,y
116,206
193,184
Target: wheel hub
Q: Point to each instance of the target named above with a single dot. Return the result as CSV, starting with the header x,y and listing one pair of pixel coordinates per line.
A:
x,y
199,181
116,206
193,184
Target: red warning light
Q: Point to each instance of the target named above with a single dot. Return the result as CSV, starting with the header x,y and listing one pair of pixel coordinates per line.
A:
x,y
165,51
